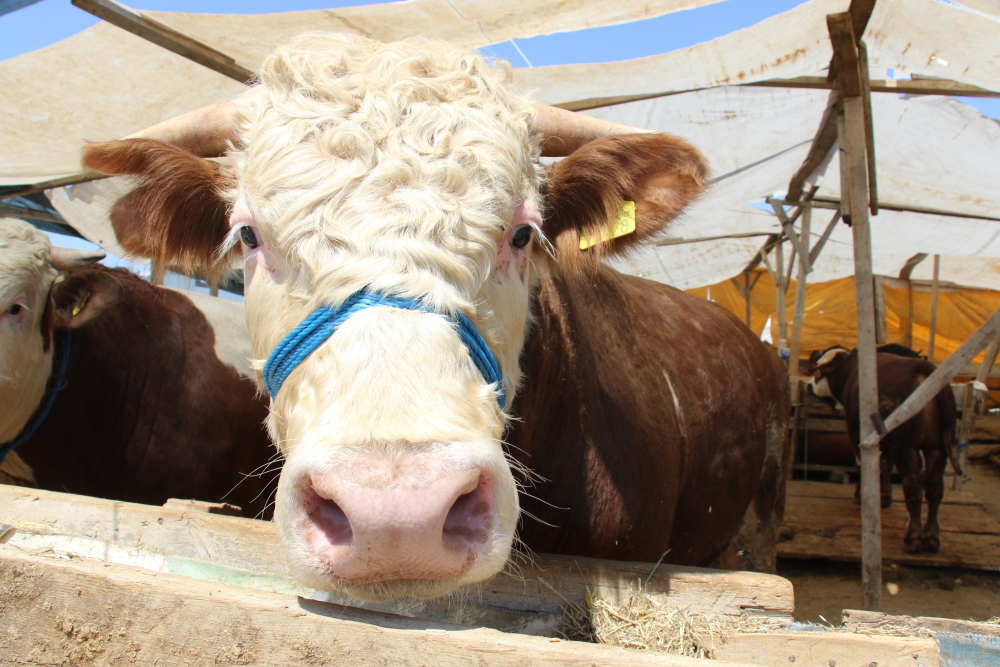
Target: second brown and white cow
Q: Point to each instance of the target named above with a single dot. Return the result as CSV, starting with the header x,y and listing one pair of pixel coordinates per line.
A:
x,y
919,448
399,237
116,388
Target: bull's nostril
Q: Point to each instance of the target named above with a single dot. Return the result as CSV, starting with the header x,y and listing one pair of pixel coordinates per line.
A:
x,y
468,520
331,520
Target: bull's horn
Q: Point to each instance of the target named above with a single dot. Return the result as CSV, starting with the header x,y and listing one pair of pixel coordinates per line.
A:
x,y
565,131
63,259
204,132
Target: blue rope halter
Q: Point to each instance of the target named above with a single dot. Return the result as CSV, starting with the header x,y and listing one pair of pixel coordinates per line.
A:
x,y
56,384
319,326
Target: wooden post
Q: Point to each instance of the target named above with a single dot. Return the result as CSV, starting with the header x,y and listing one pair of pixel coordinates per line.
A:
x,y
934,300
854,162
156,272
881,326
909,320
779,287
904,274
989,358
800,298
964,428
746,293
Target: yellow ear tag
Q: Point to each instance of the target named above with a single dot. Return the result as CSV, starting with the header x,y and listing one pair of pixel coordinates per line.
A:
x,y
624,223
79,307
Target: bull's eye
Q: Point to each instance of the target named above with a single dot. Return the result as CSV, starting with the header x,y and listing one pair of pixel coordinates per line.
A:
x,y
249,237
15,309
521,237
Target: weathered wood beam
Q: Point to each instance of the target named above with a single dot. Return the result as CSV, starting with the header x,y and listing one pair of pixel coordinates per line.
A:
x,y
829,202
911,263
800,300
786,225
940,378
881,325
826,137
914,87
904,274
680,241
934,305
866,99
69,611
818,248
175,539
989,359
151,30
852,142
761,256
20,191
904,87
780,289
18,212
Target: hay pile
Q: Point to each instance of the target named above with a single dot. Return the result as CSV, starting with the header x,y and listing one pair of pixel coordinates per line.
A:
x,y
639,620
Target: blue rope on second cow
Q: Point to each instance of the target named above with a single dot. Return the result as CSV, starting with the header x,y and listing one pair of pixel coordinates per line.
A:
x,y
319,326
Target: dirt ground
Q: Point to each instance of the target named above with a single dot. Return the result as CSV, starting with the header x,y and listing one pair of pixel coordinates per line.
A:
x,y
824,588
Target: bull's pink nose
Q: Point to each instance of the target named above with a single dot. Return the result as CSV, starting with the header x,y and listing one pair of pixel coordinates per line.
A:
x,y
427,531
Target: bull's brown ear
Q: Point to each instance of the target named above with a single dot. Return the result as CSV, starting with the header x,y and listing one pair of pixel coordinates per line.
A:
x,y
588,191
176,214
80,296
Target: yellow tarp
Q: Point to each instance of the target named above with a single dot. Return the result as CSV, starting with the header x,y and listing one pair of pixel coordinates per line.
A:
x,y
831,316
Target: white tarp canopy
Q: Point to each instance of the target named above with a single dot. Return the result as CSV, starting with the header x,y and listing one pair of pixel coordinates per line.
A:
x,y
932,152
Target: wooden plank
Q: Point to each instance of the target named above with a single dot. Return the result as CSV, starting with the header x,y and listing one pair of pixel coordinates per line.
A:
x,y
822,649
881,327
866,100
789,230
860,621
825,514
986,429
801,489
966,420
19,212
818,248
934,304
681,241
983,374
73,612
798,313
837,204
84,177
896,86
780,290
153,31
974,552
823,142
137,534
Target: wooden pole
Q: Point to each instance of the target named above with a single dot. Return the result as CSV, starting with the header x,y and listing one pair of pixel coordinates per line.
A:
x,y
854,162
964,428
989,358
909,320
881,326
746,293
934,300
779,287
800,298
904,274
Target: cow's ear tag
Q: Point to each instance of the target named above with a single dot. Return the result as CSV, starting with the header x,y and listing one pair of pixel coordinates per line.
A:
x,y
624,223
79,307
